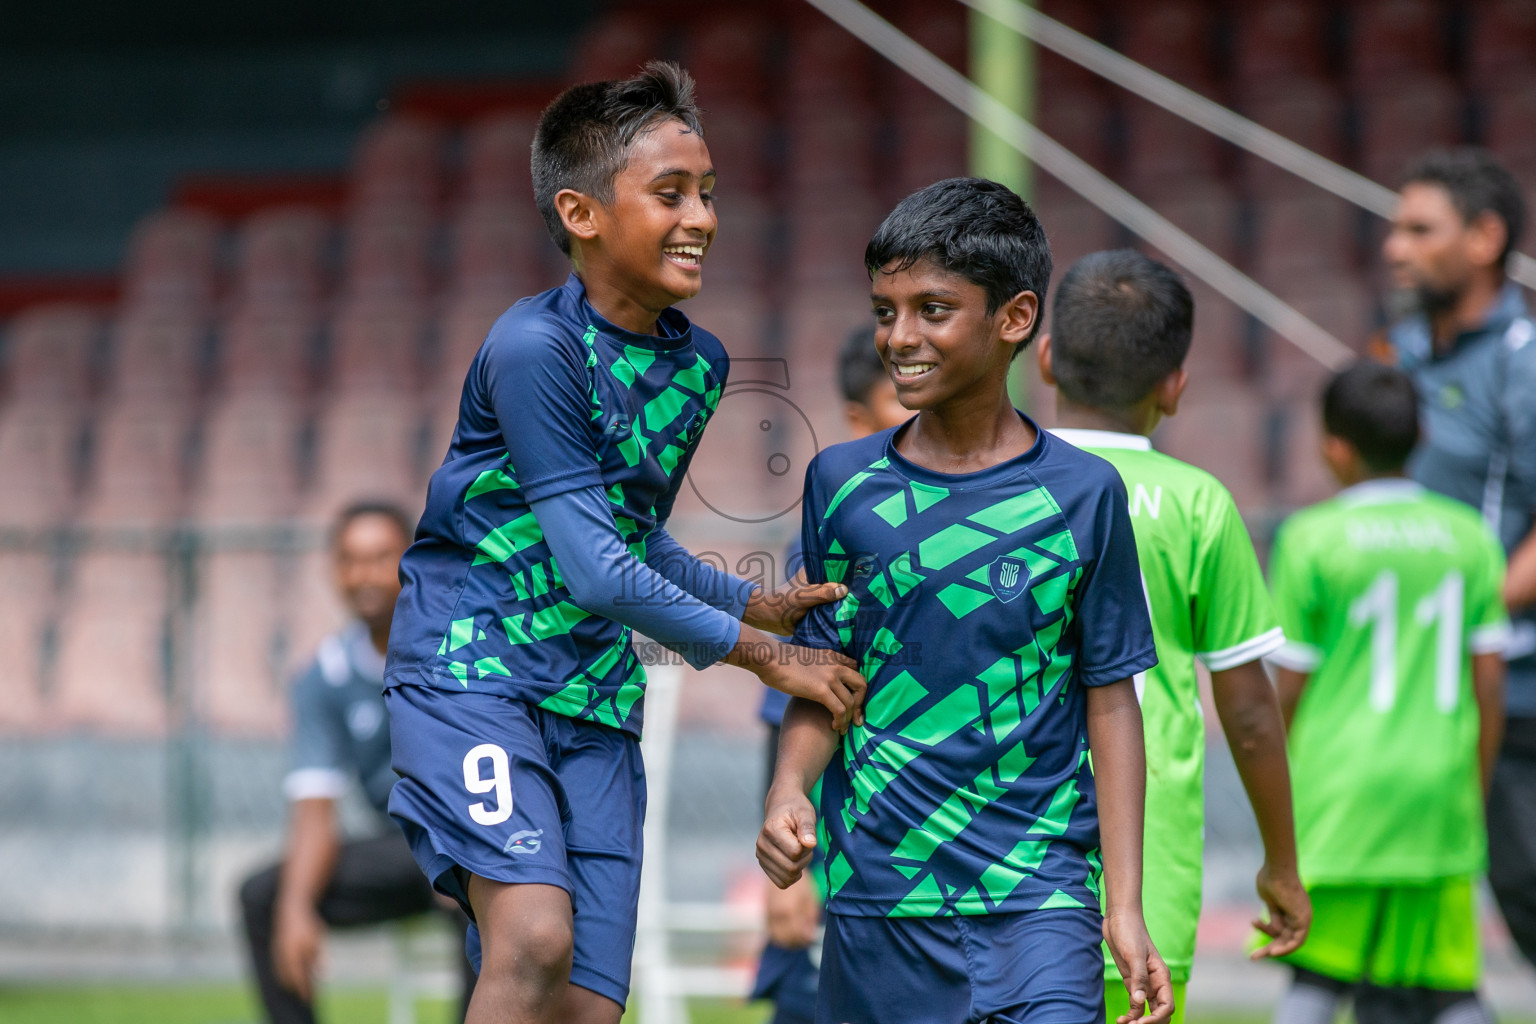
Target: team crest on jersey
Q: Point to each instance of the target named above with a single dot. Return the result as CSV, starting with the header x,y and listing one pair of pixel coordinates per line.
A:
x,y
618,426
1008,577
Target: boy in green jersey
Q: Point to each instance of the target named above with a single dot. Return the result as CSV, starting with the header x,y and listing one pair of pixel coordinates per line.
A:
x,y
1121,327
1391,684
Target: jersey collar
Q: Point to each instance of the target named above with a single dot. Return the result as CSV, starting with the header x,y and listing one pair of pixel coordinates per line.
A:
x,y
1079,437
1375,492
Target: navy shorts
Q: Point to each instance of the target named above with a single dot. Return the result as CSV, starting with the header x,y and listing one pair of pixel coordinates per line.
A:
x,y
1039,966
513,793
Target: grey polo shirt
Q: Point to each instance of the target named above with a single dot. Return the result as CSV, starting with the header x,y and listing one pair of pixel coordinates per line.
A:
x,y
1478,403
340,727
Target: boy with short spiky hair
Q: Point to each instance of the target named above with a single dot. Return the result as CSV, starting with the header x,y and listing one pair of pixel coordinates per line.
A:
x,y
514,694
1391,681
1120,329
995,606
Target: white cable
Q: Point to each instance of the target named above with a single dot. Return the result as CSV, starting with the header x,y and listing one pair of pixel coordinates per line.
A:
x,y
1213,117
881,36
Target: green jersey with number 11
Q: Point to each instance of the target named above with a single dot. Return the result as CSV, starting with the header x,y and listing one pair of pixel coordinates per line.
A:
x,y
1385,592
1207,599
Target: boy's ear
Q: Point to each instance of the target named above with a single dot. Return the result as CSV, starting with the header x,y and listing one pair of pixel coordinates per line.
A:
x,y
1170,389
1043,356
1018,316
1486,234
578,212
1342,459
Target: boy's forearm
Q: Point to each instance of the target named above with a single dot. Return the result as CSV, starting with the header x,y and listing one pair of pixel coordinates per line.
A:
x,y
1488,687
1120,780
1250,717
807,743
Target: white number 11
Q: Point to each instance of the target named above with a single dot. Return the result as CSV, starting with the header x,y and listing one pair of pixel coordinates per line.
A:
x,y
1442,608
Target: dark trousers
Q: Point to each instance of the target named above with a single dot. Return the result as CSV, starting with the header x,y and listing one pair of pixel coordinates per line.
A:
x,y
375,880
1512,833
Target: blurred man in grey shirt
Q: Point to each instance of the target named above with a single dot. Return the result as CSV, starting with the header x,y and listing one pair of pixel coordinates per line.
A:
x,y
340,740
1470,345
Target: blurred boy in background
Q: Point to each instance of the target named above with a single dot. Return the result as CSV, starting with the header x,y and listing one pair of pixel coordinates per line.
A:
x,y
1391,682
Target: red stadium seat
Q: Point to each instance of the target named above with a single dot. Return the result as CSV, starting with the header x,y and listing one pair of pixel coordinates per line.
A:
x,y
460,333
111,673
41,443
1280,42
1399,122
498,248
387,252
1508,127
50,350
1340,304
1300,234
158,353
497,150
615,46
832,148
26,606
1075,228
735,315
1502,40
1078,118
366,446
738,256
1309,112
268,350
376,347
827,65
139,472
1393,38
172,259
282,252
1173,38
726,55
737,135
250,460
1163,147
398,160
1205,209
1057,72
827,242
1225,435
240,675
315,610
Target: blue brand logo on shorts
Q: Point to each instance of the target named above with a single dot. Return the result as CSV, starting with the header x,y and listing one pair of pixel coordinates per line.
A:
x,y
1008,577
525,842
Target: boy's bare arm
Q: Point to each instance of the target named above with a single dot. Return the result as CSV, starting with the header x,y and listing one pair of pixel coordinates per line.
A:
x,y
1250,716
807,742
1488,688
1289,685
1120,780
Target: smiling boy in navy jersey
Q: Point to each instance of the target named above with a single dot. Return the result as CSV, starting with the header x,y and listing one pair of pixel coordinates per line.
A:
x,y
995,605
514,694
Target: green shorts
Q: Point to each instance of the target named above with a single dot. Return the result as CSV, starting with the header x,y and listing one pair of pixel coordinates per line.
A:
x,y
1117,1001
1401,936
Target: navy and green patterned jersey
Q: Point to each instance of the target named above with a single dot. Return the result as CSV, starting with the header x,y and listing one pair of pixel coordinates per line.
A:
x,y
980,605
584,403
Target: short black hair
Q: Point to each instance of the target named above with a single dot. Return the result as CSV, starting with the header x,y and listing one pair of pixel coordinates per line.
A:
x,y
583,137
1121,321
362,509
859,367
973,227
1477,183
1375,408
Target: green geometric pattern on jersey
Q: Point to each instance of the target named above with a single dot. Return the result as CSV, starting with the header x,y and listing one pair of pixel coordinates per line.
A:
x,y
1385,592
1001,696
656,433
1207,599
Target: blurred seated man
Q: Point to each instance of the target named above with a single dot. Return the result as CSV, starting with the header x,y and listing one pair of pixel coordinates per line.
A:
x,y
340,736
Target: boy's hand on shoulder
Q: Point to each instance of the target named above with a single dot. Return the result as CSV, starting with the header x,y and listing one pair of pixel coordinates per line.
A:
x,y
780,611
1290,912
788,837
1146,976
